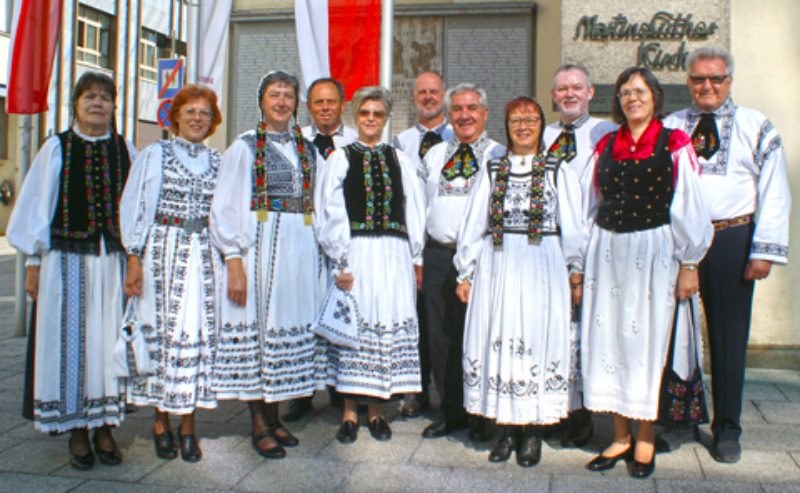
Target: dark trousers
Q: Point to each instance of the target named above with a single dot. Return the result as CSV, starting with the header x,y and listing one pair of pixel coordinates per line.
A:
x,y
445,320
424,351
728,301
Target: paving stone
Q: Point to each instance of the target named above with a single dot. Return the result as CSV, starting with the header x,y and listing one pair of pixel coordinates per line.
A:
x,y
370,478
366,449
510,478
682,486
18,483
600,483
454,450
95,486
780,412
137,461
750,413
756,465
296,474
780,488
225,462
35,456
12,419
771,437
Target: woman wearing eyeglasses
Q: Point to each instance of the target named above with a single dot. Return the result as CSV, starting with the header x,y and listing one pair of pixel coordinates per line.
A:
x,y
649,230
172,268
519,241
370,222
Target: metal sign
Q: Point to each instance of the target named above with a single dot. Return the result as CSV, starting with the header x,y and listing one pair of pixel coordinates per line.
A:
x,y
170,77
162,115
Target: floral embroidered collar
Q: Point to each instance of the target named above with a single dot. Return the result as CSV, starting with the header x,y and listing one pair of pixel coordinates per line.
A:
x,y
362,147
437,129
625,147
339,131
192,148
728,108
90,138
577,123
279,137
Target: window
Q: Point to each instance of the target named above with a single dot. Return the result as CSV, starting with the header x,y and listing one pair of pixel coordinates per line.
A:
x,y
148,66
93,41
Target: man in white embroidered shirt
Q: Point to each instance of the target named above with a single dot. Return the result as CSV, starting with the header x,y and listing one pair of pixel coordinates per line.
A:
x,y
431,128
325,104
745,187
571,141
449,171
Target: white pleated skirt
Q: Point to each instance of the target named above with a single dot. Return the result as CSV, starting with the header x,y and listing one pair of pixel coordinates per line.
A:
x,y
384,287
266,349
517,334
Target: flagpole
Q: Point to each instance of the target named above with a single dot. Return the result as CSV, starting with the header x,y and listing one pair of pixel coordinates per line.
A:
x,y
387,8
192,41
21,303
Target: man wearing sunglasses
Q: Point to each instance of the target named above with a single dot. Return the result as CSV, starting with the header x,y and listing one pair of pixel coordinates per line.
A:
x,y
745,188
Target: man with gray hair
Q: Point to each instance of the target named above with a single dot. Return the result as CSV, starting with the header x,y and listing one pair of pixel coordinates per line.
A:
x,y
746,191
431,128
449,171
570,142
325,105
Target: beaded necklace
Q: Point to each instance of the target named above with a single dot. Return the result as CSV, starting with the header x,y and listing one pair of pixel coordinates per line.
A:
x,y
261,202
95,152
536,206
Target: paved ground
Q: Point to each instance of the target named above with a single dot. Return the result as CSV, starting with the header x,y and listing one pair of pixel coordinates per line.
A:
x,y
31,461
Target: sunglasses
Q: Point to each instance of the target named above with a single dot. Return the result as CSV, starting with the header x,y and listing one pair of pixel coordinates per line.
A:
x,y
713,79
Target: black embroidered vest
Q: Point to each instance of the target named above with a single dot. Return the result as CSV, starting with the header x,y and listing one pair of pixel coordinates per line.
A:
x,y
636,194
90,187
374,196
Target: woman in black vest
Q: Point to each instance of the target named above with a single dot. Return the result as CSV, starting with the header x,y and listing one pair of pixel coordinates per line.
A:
x,y
369,221
66,220
650,229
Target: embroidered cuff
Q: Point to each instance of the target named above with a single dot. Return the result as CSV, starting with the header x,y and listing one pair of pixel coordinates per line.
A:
x,y
769,251
464,277
339,265
134,251
575,268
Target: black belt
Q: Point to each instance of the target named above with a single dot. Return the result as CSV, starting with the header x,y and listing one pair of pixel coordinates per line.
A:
x,y
437,244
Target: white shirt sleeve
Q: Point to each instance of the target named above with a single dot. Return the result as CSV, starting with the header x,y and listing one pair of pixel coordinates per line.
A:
x,y
332,225
137,209
571,218
771,236
414,207
231,222
690,222
29,226
475,226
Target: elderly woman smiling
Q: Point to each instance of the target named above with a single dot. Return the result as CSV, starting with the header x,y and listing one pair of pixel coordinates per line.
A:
x,y
370,218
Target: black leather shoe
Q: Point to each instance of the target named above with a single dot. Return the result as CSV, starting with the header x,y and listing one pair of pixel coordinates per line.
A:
x,y
641,470
529,451
601,463
81,462
111,457
443,426
579,428
481,429
165,445
413,404
379,429
283,435
190,450
297,408
275,452
726,451
505,445
348,432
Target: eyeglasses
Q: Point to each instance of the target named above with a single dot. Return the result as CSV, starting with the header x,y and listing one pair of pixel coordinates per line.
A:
x,y
528,122
638,93
375,114
195,113
713,79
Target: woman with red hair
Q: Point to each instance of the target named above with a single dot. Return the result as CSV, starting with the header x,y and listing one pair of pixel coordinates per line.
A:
x,y
172,268
519,239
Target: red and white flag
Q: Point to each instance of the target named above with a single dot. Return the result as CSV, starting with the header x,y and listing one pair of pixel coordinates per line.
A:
x,y
339,39
34,33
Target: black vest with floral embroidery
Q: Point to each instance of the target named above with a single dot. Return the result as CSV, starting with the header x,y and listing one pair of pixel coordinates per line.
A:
x,y
90,187
374,196
637,194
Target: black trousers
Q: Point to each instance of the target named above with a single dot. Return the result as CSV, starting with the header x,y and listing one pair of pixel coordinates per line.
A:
x,y
728,301
445,323
424,351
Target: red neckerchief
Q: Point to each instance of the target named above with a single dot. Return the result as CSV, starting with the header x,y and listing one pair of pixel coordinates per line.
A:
x,y
625,148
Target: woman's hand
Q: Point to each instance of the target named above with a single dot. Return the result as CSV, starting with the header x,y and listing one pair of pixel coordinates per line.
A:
x,y
237,281
134,277
463,289
418,276
576,288
344,281
688,283
32,281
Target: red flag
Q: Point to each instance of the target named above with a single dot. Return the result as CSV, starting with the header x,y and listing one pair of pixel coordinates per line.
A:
x,y
34,38
339,39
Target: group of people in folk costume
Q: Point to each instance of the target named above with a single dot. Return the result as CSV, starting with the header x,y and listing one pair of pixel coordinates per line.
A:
x,y
533,282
